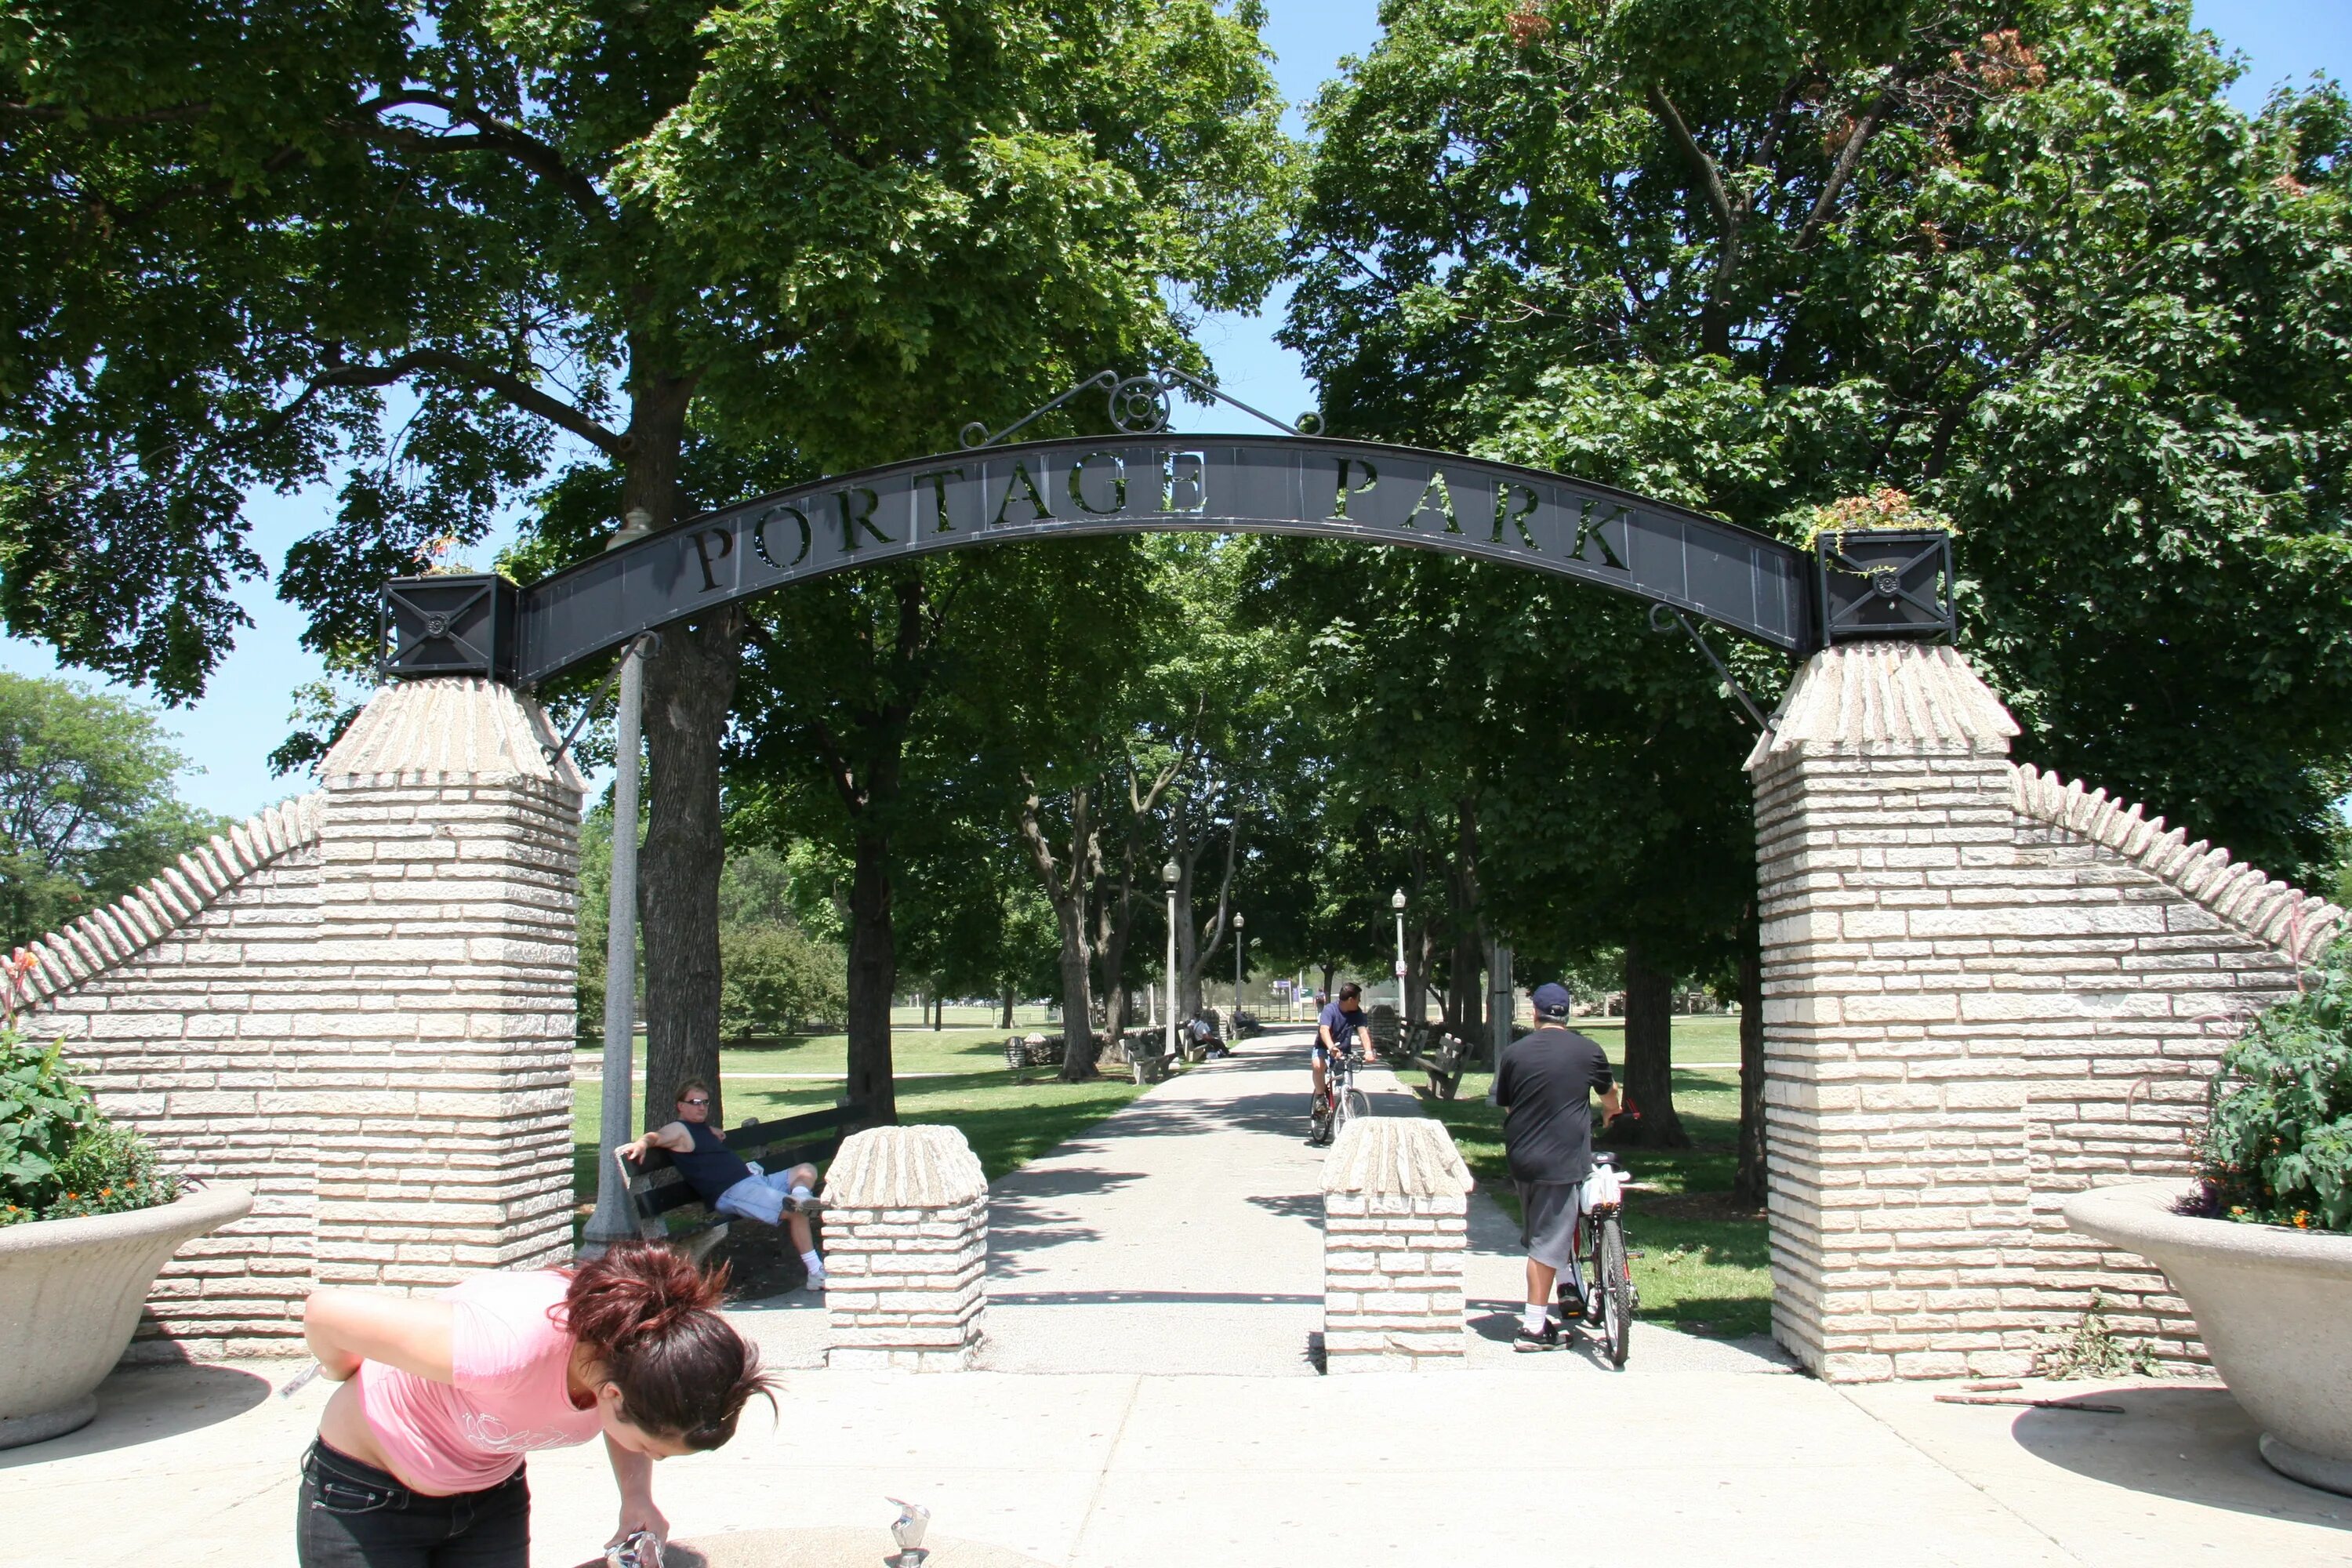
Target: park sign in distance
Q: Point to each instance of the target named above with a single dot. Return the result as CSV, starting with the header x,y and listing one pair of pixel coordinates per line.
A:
x,y
1756,586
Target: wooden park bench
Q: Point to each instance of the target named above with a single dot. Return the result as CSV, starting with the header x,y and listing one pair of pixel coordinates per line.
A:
x,y
1145,1055
670,1211
1442,1056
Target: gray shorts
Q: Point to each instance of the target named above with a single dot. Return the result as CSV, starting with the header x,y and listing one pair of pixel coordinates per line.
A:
x,y
1548,1230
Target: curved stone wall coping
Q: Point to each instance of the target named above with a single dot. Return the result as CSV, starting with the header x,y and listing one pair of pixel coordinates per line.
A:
x,y
121,930
1396,1156
2238,894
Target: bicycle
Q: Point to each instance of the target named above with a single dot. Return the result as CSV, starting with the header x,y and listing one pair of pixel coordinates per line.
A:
x,y
1340,1102
1610,1297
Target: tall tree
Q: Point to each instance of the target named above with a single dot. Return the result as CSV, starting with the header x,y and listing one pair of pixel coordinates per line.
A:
x,y
822,231
87,807
2021,261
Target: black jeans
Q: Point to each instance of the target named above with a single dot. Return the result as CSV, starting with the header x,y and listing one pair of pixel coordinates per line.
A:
x,y
356,1516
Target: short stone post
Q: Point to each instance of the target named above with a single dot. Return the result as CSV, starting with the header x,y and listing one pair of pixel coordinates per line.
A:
x,y
906,1229
1396,1204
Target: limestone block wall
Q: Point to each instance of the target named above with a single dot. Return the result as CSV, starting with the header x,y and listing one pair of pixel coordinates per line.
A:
x,y
359,1004
1396,1201
1984,990
906,1228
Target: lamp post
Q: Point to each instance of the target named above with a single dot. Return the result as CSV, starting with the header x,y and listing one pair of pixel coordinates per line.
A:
x,y
1168,875
1396,902
613,1220
1238,939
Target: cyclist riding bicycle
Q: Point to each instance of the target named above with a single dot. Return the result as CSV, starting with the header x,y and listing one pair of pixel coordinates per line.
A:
x,y
1342,1027
1545,1085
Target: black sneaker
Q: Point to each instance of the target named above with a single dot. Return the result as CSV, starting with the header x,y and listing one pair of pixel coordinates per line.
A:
x,y
1571,1303
1546,1339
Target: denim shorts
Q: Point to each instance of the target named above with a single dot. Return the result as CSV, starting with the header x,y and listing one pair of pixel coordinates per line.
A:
x,y
356,1516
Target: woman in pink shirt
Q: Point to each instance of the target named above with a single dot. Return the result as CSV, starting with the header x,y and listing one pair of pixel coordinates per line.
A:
x,y
419,1458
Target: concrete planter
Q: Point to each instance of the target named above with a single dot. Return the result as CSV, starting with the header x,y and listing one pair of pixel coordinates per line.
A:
x,y
2272,1306
70,1291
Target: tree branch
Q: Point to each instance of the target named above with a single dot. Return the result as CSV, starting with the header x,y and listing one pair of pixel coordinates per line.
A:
x,y
1710,177
514,388
1842,169
493,135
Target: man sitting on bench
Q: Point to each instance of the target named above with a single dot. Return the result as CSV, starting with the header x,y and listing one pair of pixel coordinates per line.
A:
x,y
721,1178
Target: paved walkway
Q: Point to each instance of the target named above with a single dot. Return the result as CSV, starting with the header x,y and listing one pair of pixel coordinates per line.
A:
x,y
1157,1265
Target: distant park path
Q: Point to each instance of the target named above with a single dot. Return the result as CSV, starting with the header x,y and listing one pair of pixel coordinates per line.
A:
x,y
1182,1234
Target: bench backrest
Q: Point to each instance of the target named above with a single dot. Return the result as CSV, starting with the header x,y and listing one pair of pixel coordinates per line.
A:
x,y
657,1190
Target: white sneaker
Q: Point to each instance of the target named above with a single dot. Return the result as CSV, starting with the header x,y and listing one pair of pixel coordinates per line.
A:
x,y
816,1277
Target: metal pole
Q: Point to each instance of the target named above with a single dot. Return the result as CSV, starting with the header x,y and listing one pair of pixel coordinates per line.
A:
x,y
1171,970
613,1220
1238,939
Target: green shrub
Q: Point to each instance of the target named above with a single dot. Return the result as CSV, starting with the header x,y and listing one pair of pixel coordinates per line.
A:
x,y
773,977
42,1114
59,1157
2277,1148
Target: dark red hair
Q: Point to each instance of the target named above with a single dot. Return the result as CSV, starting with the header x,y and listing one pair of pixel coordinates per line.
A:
x,y
652,1317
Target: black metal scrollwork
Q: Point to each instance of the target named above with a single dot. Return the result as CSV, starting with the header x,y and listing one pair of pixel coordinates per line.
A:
x,y
1140,406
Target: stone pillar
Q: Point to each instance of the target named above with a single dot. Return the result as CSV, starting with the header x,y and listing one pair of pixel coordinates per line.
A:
x,y
906,1234
1396,1203
1983,991
445,963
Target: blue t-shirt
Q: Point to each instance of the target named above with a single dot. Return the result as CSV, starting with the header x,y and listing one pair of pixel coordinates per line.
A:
x,y
1343,1024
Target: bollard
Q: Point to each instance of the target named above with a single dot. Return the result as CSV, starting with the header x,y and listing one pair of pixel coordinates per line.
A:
x,y
1396,1204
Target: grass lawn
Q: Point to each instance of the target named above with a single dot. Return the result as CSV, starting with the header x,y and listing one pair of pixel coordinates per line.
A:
x,y
1704,1266
1008,1123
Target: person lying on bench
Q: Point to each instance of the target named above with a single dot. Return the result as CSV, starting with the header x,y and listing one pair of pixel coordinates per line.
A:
x,y
721,1179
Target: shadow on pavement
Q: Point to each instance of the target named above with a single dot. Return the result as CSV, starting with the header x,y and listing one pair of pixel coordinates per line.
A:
x,y
2193,1444
1296,1205
148,1404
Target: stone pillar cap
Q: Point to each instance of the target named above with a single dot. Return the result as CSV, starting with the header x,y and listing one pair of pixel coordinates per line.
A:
x,y
1396,1156
449,728
904,1168
1863,696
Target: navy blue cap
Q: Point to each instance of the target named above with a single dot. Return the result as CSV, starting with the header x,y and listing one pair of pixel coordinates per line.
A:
x,y
1552,1000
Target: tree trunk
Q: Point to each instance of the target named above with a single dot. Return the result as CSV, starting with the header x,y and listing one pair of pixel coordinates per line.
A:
x,y
1077,999
688,686
1008,1005
1751,1182
873,977
1649,1056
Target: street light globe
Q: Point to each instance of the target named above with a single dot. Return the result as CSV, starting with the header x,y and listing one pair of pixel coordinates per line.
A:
x,y
1168,873
1396,900
1238,921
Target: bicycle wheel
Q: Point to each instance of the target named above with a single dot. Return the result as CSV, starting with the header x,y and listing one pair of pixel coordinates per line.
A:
x,y
1357,1105
1614,1283
1319,1120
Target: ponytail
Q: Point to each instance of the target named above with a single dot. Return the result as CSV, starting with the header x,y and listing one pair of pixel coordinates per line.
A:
x,y
652,1317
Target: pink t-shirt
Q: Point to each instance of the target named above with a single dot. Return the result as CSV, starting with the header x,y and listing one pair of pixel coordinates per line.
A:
x,y
510,1394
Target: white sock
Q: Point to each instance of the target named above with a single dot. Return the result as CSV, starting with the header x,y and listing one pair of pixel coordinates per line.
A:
x,y
812,1261
802,1194
1532,1319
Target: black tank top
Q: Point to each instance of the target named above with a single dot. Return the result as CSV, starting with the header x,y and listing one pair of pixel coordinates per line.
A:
x,y
712,1167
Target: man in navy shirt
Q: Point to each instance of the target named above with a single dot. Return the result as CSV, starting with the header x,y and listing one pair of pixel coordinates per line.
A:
x,y
1342,1027
725,1181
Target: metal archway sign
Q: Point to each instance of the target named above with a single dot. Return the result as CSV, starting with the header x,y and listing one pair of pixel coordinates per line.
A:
x,y
1878,585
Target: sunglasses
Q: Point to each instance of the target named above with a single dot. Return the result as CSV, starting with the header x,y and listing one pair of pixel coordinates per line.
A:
x,y
694,1103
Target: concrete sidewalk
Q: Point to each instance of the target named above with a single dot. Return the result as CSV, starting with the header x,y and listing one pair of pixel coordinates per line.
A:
x,y
1155,1281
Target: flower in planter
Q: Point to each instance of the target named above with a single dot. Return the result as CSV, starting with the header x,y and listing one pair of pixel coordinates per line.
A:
x,y
2277,1145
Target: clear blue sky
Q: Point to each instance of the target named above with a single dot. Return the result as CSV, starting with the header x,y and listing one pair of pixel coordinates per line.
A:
x,y
227,733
